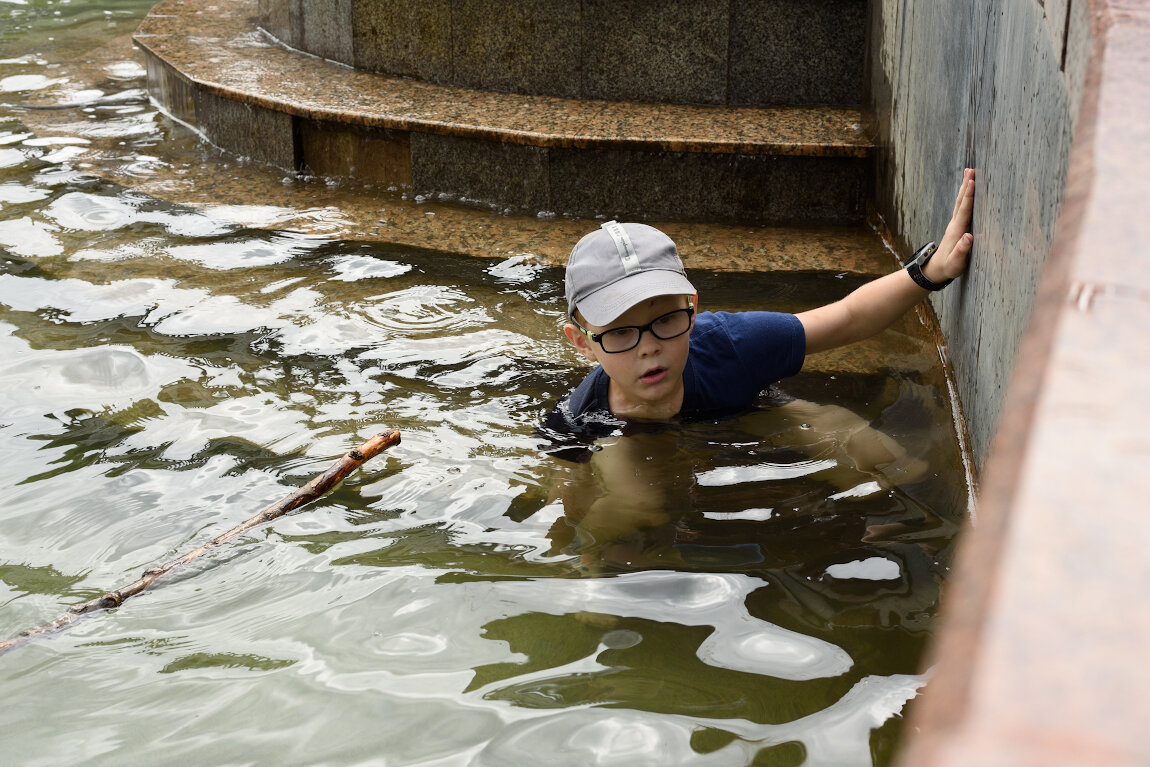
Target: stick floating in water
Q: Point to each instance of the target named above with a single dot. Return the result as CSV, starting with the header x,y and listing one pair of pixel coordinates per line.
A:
x,y
306,494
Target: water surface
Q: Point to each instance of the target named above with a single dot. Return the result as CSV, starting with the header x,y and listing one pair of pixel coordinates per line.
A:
x,y
165,373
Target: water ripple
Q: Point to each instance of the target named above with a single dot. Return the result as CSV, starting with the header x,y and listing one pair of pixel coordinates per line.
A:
x,y
838,736
91,379
739,642
426,308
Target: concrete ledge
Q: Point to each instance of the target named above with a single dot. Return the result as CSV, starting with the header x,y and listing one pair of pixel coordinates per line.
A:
x,y
217,49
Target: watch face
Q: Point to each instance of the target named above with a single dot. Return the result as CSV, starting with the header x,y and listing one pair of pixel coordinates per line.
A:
x,y
921,255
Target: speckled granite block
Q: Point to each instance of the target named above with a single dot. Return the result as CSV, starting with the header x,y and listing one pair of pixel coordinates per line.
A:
x,y
479,170
323,28
640,185
525,46
751,52
800,190
344,151
274,17
637,50
693,186
174,93
402,38
249,131
798,54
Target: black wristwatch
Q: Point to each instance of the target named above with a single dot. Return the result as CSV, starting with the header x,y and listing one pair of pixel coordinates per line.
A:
x,y
918,261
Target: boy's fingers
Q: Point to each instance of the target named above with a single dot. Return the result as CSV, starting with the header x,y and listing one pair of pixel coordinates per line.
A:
x,y
965,191
954,262
962,249
963,207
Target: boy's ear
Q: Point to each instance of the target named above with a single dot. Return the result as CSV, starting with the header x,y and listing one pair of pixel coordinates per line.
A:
x,y
579,341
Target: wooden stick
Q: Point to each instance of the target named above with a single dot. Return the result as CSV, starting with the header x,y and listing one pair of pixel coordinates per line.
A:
x,y
306,494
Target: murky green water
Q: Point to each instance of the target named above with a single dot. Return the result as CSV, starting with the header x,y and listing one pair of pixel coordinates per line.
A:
x,y
165,374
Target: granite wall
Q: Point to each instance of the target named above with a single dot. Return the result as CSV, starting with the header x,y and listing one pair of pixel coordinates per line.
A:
x,y
993,85
741,53
1039,657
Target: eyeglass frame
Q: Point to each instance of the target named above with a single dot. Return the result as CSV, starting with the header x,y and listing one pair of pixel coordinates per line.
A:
x,y
648,328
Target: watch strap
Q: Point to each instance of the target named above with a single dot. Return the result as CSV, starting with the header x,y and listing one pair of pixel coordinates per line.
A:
x,y
918,261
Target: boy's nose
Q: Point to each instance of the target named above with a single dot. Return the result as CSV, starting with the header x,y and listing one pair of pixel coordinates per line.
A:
x,y
649,344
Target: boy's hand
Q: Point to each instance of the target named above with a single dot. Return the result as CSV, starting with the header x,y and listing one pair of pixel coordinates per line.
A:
x,y
949,260
874,306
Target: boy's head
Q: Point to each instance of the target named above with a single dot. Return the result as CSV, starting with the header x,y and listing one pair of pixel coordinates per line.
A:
x,y
617,267
634,313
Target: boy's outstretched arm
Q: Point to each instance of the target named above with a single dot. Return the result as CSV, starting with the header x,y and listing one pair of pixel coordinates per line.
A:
x,y
876,305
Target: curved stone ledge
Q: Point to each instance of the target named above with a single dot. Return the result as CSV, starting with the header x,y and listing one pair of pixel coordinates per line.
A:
x,y
210,66
746,52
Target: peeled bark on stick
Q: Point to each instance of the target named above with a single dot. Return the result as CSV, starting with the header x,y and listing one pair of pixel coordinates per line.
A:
x,y
306,494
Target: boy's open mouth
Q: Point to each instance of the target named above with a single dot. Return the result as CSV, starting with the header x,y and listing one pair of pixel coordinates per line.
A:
x,y
653,376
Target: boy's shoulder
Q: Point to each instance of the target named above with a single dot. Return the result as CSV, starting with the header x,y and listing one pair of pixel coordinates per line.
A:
x,y
737,355
591,395
579,419
749,331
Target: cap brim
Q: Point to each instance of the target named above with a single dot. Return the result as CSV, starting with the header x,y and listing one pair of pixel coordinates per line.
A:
x,y
606,304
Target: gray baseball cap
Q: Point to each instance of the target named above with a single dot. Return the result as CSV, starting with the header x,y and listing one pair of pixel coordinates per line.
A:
x,y
617,266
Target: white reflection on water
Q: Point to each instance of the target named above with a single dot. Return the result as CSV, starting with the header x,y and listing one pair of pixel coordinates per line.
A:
x,y
24,237
837,736
739,641
38,381
18,193
28,83
353,268
90,212
763,472
181,433
869,569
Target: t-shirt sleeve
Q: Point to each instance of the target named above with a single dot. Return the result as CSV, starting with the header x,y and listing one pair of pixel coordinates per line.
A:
x,y
736,356
771,344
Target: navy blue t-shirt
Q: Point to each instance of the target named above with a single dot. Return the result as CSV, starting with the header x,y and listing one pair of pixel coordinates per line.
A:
x,y
733,358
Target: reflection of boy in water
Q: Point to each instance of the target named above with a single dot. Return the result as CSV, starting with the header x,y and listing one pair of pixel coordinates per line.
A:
x,y
633,311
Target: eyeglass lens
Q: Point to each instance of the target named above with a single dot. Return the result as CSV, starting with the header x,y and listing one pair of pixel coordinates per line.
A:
x,y
666,327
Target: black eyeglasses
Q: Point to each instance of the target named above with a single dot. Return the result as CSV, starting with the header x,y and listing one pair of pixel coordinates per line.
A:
x,y
624,339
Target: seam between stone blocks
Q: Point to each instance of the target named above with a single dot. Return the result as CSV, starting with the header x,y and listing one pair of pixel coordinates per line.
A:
x,y
1081,295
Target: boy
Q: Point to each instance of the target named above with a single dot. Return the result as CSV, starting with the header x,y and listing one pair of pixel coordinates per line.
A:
x,y
633,311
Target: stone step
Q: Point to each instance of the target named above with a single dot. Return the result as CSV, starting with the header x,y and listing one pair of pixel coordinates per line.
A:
x,y
742,53
210,66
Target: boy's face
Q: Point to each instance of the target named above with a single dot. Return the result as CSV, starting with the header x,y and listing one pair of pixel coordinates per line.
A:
x,y
647,381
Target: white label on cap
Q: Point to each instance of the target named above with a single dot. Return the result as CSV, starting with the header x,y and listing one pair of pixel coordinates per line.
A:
x,y
623,244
